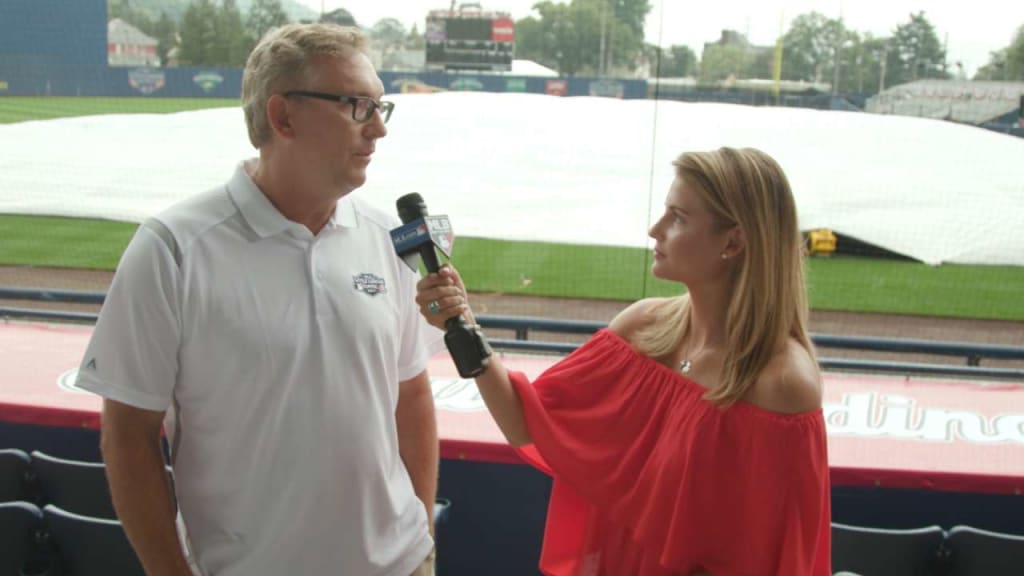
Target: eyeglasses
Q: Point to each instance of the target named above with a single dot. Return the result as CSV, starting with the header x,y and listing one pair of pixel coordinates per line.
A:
x,y
362,106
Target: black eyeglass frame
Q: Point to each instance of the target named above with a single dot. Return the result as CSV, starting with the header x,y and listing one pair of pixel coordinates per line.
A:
x,y
385,107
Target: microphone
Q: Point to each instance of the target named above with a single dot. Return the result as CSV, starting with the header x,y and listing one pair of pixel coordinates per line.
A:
x,y
418,238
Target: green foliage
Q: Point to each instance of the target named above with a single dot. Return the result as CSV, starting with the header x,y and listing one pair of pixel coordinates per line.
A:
x,y
415,40
231,47
388,31
919,54
1015,57
213,35
675,61
724,62
339,16
809,48
863,68
263,16
584,36
199,41
1007,64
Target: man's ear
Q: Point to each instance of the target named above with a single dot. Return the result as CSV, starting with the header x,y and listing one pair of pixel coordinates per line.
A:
x,y
735,243
279,116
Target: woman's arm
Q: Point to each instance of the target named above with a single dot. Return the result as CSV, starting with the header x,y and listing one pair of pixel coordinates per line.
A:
x,y
445,288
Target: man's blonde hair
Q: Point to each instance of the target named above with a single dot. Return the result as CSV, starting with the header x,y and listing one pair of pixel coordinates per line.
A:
x,y
745,188
281,61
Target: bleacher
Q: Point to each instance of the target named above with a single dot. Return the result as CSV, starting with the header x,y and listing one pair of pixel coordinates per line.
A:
x,y
57,519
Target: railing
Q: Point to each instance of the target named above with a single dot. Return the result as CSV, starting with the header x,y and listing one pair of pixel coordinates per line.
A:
x,y
972,354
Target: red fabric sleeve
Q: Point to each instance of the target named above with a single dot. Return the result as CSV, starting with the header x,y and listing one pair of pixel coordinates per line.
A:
x,y
662,482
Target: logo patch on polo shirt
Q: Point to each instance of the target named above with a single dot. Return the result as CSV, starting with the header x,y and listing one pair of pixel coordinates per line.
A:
x,y
369,284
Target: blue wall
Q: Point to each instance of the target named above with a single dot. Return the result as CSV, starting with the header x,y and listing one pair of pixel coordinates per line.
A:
x,y
52,45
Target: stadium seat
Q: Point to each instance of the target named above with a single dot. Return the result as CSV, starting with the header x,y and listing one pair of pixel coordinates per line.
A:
x,y
975,552
442,508
884,552
73,485
19,525
14,476
89,546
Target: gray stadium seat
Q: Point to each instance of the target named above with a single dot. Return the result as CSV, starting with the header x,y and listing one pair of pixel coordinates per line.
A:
x,y
975,552
73,485
442,508
19,523
14,474
89,546
885,552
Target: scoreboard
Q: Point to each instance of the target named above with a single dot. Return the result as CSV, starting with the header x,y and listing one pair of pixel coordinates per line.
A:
x,y
469,40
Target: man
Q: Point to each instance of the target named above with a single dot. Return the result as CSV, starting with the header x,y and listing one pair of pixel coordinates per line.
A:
x,y
269,328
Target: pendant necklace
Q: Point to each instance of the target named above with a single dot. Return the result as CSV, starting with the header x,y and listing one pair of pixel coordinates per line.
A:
x,y
684,366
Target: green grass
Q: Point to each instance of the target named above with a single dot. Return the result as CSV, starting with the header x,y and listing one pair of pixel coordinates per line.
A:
x,y
62,242
19,109
536,268
608,273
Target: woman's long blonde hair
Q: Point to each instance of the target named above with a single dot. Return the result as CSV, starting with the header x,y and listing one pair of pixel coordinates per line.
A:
x,y
746,188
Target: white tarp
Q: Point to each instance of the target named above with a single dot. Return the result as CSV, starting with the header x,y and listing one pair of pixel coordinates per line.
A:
x,y
580,170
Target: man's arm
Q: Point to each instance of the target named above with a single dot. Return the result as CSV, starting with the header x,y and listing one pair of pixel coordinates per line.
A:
x,y
417,438
138,485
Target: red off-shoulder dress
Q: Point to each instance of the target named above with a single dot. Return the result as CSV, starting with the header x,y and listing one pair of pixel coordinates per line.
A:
x,y
650,479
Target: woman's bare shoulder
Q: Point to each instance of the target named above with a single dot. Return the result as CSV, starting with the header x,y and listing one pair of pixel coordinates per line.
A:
x,y
790,383
634,317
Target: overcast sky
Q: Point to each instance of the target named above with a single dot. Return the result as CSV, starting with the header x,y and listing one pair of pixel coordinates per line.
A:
x,y
972,28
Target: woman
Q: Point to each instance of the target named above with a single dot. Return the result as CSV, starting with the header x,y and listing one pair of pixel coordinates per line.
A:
x,y
687,437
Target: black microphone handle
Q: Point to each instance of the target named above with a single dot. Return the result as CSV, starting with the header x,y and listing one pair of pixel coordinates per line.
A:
x,y
433,265
429,256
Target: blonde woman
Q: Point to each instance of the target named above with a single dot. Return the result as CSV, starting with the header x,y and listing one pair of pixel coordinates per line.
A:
x,y
687,437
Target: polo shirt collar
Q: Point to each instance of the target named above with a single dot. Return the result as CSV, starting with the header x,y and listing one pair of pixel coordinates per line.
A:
x,y
264,218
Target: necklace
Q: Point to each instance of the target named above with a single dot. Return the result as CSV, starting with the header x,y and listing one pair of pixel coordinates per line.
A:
x,y
685,366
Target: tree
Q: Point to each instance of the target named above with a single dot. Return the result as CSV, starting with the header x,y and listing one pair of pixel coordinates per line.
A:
x,y
232,45
339,16
415,40
130,13
632,13
264,15
166,33
568,37
199,42
723,62
388,31
919,54
1006,64
676,61
1015,57
809,48
863,72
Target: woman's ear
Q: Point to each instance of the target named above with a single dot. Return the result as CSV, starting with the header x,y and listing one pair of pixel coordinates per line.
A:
x,y
735,243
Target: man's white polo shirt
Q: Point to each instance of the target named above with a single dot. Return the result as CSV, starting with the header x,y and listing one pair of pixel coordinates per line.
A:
x,y
277,356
